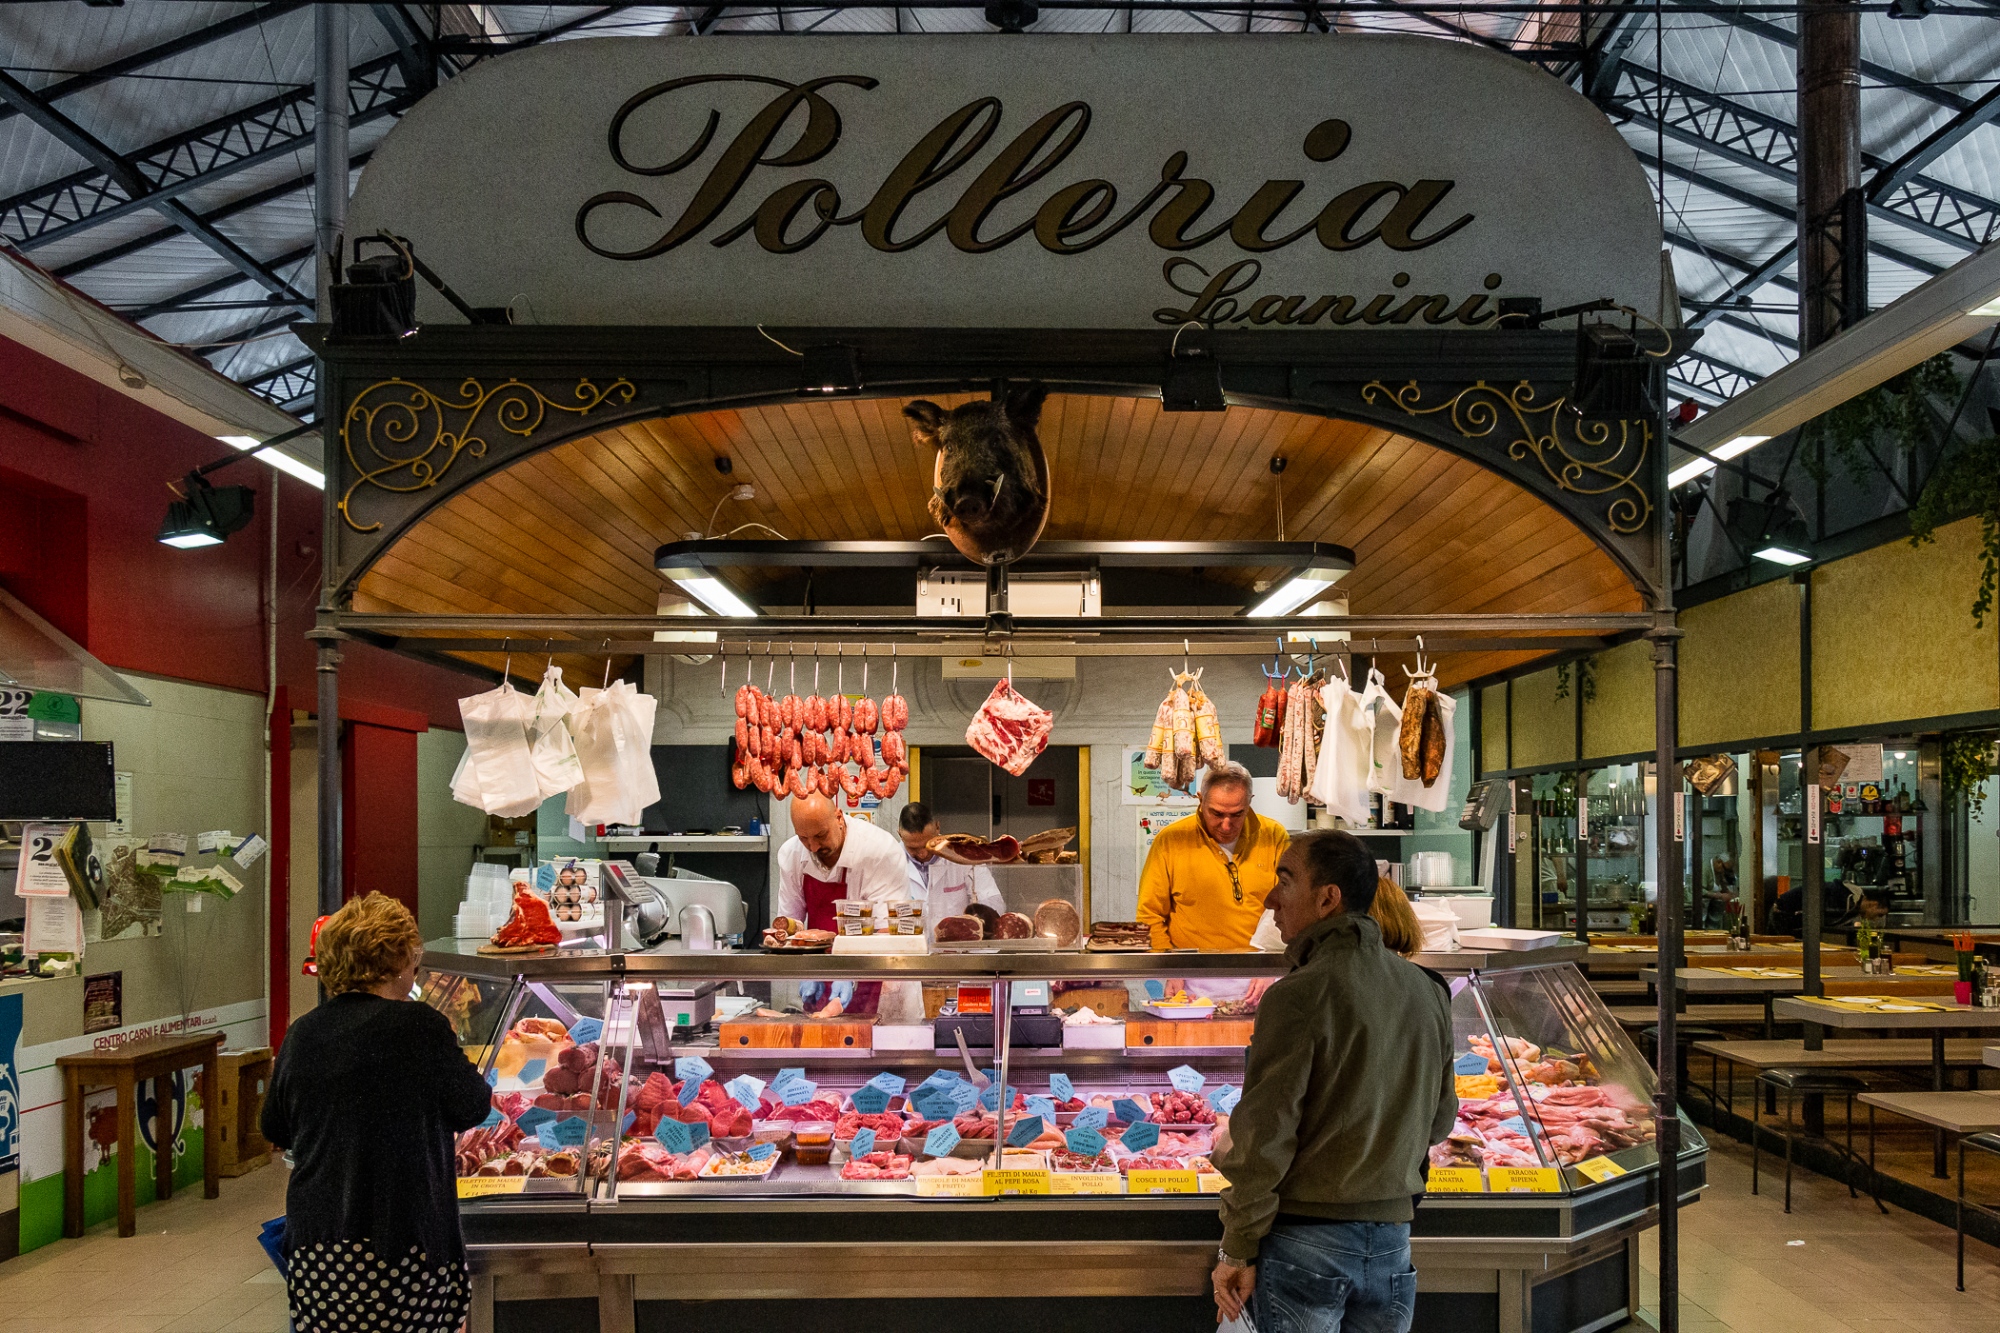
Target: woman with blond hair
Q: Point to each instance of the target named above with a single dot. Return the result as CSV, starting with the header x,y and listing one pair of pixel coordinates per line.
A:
x,y
1402,933
368,1093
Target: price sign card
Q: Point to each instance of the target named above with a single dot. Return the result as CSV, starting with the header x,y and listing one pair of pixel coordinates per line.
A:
x,y
569,1132
493,1117
1141,1136
1091,1117
1455,1180
1014,1182
1469,1063
891,1084
862,1144
745,1089
1085,1141
989,1097
934,1103
870,1100
968,1186
1045,1107
963,1097
478,1187
1162,1182
940,1141
1129,1111
763,1152
796,1092
1599,1169
1224,1098
586,1030
1525,1179
1024,1131
689,1091
1185,1079
693,1068
1086,1182
1061,1087
680,1138
534,1118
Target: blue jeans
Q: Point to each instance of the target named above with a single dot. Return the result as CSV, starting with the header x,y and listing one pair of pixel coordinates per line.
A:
x,y
1335,1277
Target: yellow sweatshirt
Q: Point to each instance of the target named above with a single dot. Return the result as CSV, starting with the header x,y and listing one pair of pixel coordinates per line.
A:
x,y
1185,892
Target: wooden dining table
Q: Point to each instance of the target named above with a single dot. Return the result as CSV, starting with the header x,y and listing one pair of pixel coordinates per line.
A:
x,y
1934,1017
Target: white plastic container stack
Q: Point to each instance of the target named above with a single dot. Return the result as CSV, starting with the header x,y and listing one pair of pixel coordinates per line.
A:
x,y
488,902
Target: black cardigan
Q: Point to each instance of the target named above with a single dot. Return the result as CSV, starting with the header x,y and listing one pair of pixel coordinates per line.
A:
x,y
368,1094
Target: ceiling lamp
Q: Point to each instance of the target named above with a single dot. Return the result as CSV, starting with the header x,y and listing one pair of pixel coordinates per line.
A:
x,y
1612,369
830,368
1702,466
1298,590
707,588
1192,383
283,462
1772,529
207,515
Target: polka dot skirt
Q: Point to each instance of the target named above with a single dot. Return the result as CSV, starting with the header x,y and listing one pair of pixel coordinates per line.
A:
x,y
346,1287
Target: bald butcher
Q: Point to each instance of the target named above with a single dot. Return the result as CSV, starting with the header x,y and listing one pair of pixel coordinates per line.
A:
x,y
831,856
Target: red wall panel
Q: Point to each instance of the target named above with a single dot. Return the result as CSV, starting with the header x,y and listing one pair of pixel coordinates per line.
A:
x,y
378,813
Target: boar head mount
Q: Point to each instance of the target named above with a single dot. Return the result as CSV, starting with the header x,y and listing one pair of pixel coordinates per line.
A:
x,y
990,486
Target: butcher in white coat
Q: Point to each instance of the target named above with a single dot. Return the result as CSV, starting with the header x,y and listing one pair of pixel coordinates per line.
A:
x,y
944,887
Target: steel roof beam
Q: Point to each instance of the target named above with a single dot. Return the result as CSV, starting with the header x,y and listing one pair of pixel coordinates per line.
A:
x,y
414,48
174,304
118,168
1726,259
1785,37
194,158
188,41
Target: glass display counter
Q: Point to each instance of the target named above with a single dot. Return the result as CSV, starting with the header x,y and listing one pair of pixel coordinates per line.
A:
x,y
669,1129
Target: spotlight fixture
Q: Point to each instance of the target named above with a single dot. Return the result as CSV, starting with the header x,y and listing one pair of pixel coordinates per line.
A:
x,y
1612,369
379,297
830,368
1012,15
1192,383
207,514
1909,9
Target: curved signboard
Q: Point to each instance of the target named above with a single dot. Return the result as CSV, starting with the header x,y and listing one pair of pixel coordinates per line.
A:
x,y
1015,181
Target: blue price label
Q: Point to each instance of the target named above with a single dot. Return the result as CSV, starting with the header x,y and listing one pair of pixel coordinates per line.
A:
x,y
571,1131
689,1091
964,1097
989,1096
797,1091
675,1137
1156,990
1224,1098
1185,1078
1129,1111
863,1144
534,1118
1086,1141
492,1078
1060,1085
888,1082
1469,1063
934,1104
1514,1123
546,1136
1092,1117
1142,1136
545,878
870,1100
586,1030
940,1141
625,1125
532,1071
744,1089
788,1073
1024,1131
763,1152
493,1117
692,1067
1044,1107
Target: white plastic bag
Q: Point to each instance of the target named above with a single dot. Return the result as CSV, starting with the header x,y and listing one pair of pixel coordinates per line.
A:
x,y
613,731
1440,925
496,773
549,745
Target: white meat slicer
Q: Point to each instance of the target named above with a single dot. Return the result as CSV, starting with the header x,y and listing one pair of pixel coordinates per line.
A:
x,y
679,891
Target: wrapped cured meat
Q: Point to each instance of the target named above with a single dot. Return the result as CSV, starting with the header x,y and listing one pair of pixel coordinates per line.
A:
x,y
1418,704
1057,919
1264,730
1436,737
1183,770
1009,730
959,929
1014,926
1208,751
1162,740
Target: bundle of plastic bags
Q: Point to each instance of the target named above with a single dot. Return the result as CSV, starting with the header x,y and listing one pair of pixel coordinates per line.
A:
x,y
520,751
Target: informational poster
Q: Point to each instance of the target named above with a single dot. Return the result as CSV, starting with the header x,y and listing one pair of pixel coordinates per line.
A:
x,y
15,724
1143,785
1864,763
121,794
41,874
103,1001
54,925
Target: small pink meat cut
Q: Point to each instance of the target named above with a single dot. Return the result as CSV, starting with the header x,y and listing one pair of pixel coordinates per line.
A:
x,y
1009,730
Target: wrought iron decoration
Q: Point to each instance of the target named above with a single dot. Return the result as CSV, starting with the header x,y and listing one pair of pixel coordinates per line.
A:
x,y
400,436
1593,458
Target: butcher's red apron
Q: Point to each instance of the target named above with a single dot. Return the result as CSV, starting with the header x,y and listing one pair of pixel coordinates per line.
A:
x,y
820,896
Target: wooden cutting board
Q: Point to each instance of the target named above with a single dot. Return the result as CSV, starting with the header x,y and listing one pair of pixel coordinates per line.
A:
x,y
1141,1033
851,1033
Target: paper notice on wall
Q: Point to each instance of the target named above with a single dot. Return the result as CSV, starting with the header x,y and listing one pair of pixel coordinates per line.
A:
x,y
121,795
1864,763
54,925
164,849
41,874
249,850
215,840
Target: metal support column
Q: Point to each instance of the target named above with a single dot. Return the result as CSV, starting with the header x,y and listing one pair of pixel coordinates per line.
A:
x,y
330,166
1829,166
1667,877
329,770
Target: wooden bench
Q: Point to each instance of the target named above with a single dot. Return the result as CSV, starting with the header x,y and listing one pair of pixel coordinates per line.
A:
x,y
1636,1016
1610,988
1845,1053
124,1069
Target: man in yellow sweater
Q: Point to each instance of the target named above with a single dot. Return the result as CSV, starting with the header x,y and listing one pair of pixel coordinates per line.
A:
x,y
1205,880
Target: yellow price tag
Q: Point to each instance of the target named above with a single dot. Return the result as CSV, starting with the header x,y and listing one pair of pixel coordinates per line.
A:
x,y
968,1186
1525,1179
1015,1182
1086,1182
1212,1182
1599,1169
1455,1180
478,1187
1161,1182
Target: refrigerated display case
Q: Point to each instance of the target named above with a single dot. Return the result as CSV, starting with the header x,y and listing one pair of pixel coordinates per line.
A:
x,y
740,1179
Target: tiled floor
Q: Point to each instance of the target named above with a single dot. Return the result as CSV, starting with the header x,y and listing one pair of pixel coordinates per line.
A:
x,y
1834,1266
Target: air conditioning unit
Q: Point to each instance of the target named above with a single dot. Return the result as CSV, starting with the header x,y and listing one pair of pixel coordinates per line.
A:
x,y
1029,596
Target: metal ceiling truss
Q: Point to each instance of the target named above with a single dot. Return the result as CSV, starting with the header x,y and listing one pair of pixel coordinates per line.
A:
x,y
293,382
1707,379
195,158
1785,37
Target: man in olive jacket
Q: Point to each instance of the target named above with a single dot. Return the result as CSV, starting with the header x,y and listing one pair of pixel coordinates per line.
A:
x,y
1347,1083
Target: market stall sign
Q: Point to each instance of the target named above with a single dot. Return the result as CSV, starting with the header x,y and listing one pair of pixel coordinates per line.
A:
x,y
478,1187
1044,181
1599,1169
1525,1179
1162,1182
1014,1182
1086,1182
1455,1180
968,1186
1212,1182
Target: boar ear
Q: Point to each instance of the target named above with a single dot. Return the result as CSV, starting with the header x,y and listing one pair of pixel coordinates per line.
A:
x,y
926,417
1024,405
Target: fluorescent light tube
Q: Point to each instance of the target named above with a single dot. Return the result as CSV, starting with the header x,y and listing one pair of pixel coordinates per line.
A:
x,y
1781,555
278,459
1696,467
1295,592
711,592
187,541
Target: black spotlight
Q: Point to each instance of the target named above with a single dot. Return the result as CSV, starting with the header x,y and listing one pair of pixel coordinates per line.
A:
x,y
1192,383
1012,15
1771,529
379,298
208,514
1909,9
1611,374
829,368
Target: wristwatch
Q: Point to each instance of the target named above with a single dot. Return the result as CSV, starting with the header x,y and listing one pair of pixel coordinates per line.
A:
x,y
1222,1257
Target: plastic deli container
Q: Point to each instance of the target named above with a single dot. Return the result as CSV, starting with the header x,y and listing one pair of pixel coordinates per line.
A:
x,y
812,1142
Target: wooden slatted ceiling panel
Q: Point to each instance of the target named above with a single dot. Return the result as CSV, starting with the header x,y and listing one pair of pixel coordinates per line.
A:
x,y
573,529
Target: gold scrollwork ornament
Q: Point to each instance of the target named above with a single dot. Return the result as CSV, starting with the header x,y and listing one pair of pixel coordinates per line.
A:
x,y
1598,458
400,436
